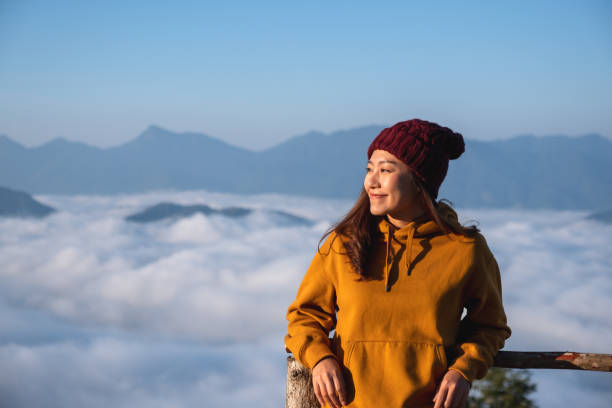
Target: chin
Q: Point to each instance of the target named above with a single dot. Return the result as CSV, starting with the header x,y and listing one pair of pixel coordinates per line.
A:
x,y
375,211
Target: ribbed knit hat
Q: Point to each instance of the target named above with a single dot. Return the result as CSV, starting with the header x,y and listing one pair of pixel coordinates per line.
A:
x,y
425,147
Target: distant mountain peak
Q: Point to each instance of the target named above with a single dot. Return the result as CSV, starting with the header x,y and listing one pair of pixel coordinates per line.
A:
x,y
153,132
154,127
313,133
157,130
7,141
14,203
61,143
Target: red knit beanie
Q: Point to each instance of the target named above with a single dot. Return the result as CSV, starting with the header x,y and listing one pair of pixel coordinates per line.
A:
x,y
425,147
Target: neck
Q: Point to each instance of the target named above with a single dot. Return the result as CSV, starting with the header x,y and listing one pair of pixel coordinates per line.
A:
x,y
401,220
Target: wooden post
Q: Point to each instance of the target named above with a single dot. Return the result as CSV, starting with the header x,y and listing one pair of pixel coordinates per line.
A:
x,y
300,393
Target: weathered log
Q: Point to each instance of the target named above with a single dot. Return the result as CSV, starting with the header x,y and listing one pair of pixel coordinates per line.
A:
x,y
300,393
564,360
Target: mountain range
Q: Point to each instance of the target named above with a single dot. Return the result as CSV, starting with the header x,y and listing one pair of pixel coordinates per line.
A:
x,y
558,172
166,210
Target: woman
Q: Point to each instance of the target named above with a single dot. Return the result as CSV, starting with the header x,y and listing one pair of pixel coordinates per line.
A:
x,y
392,278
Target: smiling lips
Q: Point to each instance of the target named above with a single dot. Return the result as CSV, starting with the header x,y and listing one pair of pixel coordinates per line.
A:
x,y
377,195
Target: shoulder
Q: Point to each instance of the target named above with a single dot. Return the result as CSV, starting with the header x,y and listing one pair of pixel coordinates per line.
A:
x,y
483,265
331,256
473,248
333,252
473,240
480,247
332,245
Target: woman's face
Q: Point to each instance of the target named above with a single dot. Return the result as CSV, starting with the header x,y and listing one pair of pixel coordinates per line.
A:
x,y
391,188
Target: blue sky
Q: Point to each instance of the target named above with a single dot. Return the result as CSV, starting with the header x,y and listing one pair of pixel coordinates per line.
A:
x,y
256,73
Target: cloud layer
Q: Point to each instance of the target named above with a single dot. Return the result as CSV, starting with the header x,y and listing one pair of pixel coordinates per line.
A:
x,y
96,311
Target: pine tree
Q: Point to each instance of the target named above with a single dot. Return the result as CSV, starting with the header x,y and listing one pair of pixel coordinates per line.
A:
x,y
503,388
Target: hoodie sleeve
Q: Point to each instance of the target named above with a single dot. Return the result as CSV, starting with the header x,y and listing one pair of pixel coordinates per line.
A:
x,y
484,329
312,315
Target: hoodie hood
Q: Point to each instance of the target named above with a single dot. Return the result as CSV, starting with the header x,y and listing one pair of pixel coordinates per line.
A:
x,y
403,238
421,226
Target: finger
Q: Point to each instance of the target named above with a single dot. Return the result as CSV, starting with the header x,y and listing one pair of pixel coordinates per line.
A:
x,y
331,393
340,387
452,397
463,400
460,397
323,393
441,397
317,392
328,401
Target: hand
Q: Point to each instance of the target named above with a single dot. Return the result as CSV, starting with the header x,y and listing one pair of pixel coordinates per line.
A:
x,y
452,391
328,383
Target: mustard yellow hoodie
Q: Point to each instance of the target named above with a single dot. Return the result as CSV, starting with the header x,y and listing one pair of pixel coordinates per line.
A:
x,y
397,334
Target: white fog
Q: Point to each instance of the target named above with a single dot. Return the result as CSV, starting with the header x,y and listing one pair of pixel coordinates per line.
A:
x,y
97,311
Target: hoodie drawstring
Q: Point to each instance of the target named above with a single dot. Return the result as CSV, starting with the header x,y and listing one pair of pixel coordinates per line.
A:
x,y
387,288
408,253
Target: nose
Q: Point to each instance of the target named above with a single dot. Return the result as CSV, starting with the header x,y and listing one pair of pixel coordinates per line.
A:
x,y
371,180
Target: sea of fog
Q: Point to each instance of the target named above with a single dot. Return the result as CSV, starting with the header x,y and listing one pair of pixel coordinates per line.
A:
x,y
96,311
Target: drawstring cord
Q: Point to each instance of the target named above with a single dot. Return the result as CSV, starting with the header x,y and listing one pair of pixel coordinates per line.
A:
x,y
407,254
389,235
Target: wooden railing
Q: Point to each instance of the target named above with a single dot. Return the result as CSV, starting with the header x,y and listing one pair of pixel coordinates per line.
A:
x,y
300,393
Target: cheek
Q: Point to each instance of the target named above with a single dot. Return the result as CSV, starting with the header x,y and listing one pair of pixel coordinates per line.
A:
x,y
403,190
393,184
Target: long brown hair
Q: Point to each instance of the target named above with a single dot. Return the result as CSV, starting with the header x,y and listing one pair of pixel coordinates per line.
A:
x,y
359,227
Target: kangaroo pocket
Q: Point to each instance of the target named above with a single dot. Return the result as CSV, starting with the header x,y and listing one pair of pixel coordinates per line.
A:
x,y
393,373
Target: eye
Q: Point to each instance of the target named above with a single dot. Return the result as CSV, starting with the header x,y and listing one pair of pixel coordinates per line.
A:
x,y
385,170
368,169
